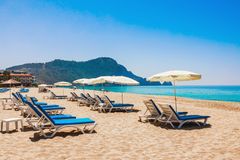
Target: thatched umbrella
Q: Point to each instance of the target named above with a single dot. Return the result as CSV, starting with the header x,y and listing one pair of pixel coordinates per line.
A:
x,y
11,82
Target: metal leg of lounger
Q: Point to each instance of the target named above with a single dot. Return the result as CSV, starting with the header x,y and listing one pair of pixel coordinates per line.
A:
x,y
197,123
181,124
94,125
172,124
205,121
55,131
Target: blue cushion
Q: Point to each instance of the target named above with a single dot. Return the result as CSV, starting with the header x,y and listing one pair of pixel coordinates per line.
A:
x,y
49,106
52,108
192,117
24,90
181,113
73,121
62,116
122,105
40,103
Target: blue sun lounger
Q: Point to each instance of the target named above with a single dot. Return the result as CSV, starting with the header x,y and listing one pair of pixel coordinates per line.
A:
x,y
49,108
24,90
35,116
110,105
155,112
3,90
24,99
172,117
58,124
55,116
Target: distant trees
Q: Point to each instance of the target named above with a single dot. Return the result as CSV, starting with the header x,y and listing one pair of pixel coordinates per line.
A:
x,y
6,75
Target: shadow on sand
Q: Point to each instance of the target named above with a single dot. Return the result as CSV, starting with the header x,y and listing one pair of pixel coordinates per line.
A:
x,y
36,136
187,126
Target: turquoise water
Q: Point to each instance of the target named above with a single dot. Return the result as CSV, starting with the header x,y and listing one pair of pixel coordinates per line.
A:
x,y
219,93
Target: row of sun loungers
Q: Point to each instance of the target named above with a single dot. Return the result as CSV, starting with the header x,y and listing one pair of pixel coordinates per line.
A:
x,y
103,104
42,116
51,117
166,114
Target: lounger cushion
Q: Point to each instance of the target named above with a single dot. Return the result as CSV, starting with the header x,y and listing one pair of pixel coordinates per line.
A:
x,y
122,105
192,117
52,108
181,113
52,105
62,116
34,99
61,96
73,121
40,103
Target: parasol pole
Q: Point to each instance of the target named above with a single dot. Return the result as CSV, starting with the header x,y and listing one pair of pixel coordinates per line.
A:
x,y
122,93
174,83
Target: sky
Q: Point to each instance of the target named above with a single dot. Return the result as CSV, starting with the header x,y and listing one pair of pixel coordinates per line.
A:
x,y
147,37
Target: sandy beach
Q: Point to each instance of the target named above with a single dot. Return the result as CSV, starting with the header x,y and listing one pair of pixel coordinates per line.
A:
x,y
120,135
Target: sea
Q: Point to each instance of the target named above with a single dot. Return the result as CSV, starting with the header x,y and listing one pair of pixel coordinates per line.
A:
x,y
217,93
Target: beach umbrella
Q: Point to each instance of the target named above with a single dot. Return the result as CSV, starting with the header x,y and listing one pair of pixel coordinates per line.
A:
x,y
42,85
120,80
174,76
11,82
62,84
84,81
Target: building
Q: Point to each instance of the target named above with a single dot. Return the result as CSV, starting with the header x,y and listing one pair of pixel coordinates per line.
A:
x,y
25,78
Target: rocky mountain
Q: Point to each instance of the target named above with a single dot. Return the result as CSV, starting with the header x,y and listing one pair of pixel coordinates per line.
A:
x,y
61,70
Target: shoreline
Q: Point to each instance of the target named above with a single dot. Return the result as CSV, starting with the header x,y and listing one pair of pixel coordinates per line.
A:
x,y
213,97
225,105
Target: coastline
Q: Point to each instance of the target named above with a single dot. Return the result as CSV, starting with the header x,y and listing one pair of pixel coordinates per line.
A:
x,y
197,92
225,105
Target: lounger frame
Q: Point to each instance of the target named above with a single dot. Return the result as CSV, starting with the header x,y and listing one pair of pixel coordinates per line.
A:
x,y
172,117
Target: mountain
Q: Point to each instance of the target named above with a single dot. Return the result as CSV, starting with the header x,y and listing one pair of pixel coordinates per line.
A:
x,y
61,70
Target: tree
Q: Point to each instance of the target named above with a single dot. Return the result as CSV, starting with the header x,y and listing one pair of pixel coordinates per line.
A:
x,y
6,75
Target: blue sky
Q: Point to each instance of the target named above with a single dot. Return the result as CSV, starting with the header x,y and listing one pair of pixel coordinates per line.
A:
x,y
146,36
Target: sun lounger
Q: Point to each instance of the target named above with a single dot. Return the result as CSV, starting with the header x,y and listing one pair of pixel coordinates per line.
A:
x,y
53,108
18,103
91,100
83,100
73,97
34,117
172,117
155,112
117,106
24,90
76,97
3,90
99,103
24,99
54,96
57,124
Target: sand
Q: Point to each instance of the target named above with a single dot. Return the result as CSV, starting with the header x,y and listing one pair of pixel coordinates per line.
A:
x,y
120,135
